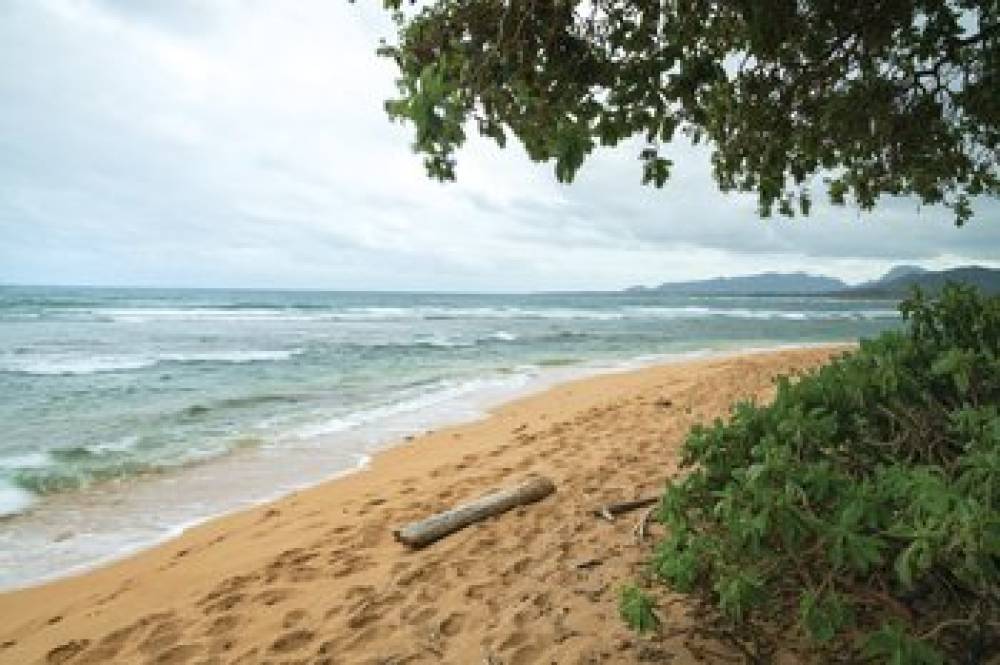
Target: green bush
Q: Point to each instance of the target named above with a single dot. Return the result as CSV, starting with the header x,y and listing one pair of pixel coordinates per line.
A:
x,y
860,509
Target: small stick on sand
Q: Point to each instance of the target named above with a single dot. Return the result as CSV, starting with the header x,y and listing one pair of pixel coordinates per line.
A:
x,y
643,524
610,510
435,527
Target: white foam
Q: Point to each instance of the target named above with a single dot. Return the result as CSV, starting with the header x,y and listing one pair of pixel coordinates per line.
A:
x,y
117,446
63,365
144,315
440,342
36,460
502,336
442,394
70,365
237,357
14,500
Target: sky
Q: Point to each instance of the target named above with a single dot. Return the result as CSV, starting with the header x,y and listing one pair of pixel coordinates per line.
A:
x,y
243,143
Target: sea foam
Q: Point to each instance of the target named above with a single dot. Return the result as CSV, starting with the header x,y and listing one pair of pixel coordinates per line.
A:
x,y
54,365
13,499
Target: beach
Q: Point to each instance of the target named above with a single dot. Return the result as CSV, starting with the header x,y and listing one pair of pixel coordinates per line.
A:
x,y
317,577
132,414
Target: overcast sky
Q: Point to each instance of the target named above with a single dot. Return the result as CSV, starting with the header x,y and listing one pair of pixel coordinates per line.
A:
x,y
243,143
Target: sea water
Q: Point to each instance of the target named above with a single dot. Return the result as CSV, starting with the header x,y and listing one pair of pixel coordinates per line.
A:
x,y
126,414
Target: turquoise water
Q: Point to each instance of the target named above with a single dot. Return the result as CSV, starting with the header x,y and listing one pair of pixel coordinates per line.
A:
x,y
104,389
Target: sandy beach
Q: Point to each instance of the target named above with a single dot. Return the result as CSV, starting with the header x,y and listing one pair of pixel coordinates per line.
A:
x,y
317,577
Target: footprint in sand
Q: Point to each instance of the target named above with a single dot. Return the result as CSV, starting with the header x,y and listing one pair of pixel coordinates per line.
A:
x,y
64,652
274,596
362,590
110,645
225,604
176,655
292,641
223,624
227,587
476,591
163,636
294,618
221,646
362,617
326,651
452,624
365,637
529,653
420,615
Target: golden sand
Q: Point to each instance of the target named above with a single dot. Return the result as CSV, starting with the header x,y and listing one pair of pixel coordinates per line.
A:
x,y
316,577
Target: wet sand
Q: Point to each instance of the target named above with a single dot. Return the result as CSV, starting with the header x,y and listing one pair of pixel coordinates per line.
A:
x,y
316,577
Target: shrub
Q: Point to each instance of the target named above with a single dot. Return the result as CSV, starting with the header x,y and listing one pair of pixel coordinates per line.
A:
x,y
860,509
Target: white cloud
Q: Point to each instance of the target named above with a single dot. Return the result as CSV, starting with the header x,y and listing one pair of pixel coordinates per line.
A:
x,y
242,142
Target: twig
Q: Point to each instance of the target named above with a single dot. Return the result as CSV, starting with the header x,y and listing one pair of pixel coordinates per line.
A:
x,y
643,524
611,510
951,623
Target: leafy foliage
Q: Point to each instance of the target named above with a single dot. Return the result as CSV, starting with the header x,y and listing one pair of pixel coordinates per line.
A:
x,y
637,610
863,503
887,97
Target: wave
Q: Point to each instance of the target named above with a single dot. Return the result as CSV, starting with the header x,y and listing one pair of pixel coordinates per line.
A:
x,y
80,466
13,499
24,461
23,360
61,366
244,402
501,336
440,342
439,394
26,477
67,365
237,357
312,314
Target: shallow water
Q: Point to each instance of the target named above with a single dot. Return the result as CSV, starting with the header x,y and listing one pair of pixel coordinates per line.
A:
x,y
112,400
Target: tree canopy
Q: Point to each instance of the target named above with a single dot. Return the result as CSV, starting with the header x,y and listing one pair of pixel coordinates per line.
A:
x,y
871,97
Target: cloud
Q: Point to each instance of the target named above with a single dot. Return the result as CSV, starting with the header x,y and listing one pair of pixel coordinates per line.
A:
x,y
243,143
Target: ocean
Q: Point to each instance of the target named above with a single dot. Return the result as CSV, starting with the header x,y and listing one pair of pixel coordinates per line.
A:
x,y
128,414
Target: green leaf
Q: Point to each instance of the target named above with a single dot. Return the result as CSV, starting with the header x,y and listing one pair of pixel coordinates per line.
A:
x,y
637,610
891,644
822,616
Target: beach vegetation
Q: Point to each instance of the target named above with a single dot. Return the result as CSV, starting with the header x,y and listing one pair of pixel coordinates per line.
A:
x,y
859,510
637,609
862,99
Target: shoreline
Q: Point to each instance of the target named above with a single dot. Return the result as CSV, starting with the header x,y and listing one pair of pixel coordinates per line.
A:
x,y
49,523
402,481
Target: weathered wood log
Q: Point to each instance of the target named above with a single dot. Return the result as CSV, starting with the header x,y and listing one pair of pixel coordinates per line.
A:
x,y
435,527
609,511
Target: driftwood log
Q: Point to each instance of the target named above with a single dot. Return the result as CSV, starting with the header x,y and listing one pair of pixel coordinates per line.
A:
x,y
435,527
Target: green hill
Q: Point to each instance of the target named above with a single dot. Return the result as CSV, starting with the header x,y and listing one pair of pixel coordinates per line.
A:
x,y
985,279
767,283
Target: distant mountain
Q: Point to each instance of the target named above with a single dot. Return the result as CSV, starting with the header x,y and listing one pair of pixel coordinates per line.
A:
x,y
762,284
986,279
896,272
